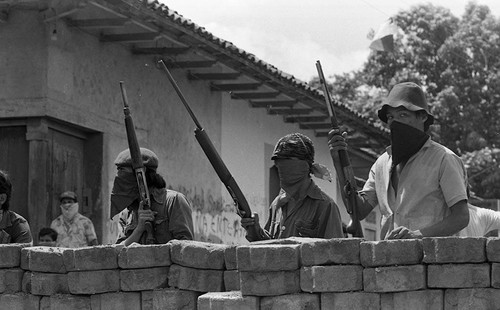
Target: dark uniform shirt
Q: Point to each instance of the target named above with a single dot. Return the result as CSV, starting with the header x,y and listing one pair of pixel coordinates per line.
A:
x,y
173,220
14,228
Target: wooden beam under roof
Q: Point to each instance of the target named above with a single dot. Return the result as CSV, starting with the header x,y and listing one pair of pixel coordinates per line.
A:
x,y
190,63
234,86
98,23
254,95
277,111
315,125
213,76
159,50
130,37
272,103
305,119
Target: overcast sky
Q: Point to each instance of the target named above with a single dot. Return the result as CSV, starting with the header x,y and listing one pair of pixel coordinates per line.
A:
x,y
293,34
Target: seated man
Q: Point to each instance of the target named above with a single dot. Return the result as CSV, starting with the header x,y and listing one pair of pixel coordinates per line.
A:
x,y
13,227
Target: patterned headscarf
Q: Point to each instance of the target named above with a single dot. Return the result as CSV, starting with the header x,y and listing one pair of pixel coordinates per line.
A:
x,y
300,146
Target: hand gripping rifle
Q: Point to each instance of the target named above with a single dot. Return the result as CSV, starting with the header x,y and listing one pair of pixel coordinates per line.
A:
x,y
137,165
243,209
343,167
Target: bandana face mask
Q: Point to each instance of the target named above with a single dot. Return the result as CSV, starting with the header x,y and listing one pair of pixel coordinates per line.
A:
x,y
405,141
125,191
69,210
292,171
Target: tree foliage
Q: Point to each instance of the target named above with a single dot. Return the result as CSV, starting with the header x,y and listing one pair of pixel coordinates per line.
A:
x,y
457,62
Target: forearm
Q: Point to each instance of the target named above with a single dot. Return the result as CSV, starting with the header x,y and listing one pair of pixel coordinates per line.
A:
x,y
363,206
135,236
456,221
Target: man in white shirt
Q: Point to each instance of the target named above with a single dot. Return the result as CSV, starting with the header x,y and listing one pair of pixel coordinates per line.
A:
x,y
481,222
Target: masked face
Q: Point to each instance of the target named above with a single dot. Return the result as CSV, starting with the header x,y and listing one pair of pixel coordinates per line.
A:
x,y
406,140
292,171
125,190
69,210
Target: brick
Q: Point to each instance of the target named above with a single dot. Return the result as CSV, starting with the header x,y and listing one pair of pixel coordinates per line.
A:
x,y
330,252
492,249
231,280
19,301
458,275
38,283
43,259
289,240
268,257
269,283
169,299
471,298
94,282
495,275
331,278
195,254
199,280
227,301
116,301
230,258
91,258
10,255
301,301
11,280
413,300
391,252
351,301
65,302
454,250
143,279
144,256
394,279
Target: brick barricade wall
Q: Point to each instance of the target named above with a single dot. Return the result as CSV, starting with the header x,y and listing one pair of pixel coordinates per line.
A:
x,y
295,273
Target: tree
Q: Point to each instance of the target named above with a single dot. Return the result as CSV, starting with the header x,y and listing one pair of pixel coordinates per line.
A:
x,y
457,62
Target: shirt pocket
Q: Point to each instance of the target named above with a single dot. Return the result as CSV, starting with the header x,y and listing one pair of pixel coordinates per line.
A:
x,y
306,228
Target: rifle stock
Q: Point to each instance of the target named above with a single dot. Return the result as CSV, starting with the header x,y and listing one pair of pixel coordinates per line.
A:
x,y
241,203
343,167
137,163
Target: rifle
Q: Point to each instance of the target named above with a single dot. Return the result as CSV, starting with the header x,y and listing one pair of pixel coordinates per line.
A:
x,y
137,165
242,207
343,167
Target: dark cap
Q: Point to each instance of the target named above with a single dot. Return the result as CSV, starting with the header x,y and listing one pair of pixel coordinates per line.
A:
x,y
149,159
294,145
68,195
408,95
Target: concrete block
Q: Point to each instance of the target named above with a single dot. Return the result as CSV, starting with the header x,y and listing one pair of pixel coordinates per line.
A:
x,y
275,257
199,280
454,250
19,301
94,282
301,301
169,299
231,280
144,256
269,283
230,258
495,275
227,301
91,258
458,275
391,252
289,240
116,301
65,302
413,300
11,280
394,279
351,301
143,279
199,255
46,284
471,298
10,255
43,259
492,250
330,252
331,278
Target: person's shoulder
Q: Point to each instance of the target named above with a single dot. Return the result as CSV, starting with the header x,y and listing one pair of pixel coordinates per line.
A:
x,y
174,194
438,147
82,218
15,217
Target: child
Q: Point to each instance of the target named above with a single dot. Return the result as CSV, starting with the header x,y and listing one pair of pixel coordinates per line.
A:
x,y
47,237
